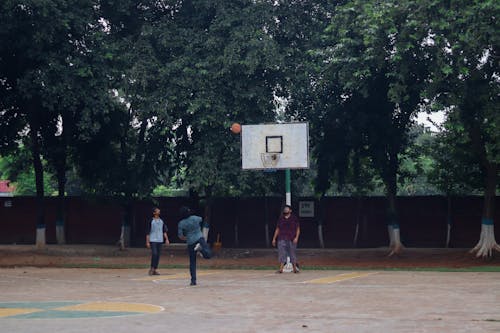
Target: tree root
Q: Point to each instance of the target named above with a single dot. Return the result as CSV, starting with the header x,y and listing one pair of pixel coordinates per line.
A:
x,y
487,243
395,245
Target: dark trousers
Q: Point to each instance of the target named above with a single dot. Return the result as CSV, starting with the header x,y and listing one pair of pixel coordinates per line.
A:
x,y
155,254
205,251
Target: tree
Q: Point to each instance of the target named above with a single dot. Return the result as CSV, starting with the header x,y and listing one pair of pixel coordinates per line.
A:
x,y
141,109
455,171
375,69
76,85
17,168
418,161
40,43
465,80
225,63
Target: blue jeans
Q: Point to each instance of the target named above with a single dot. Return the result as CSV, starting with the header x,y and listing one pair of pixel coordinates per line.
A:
x,y
155,254
205,251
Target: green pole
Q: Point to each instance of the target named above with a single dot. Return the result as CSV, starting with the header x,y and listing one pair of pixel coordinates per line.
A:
x,y
288,196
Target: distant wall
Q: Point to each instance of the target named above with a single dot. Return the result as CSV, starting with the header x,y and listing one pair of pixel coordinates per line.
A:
x,y
241,221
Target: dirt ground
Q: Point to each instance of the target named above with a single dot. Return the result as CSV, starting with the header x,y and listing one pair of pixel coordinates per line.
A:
x,y
76,300
176,256
72,289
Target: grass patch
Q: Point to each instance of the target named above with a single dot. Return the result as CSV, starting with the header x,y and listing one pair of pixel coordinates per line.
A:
x,y
486,269
167,266
479,269
476,269
117,266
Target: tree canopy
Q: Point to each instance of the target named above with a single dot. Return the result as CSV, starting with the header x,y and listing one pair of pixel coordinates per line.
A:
x,y
128,96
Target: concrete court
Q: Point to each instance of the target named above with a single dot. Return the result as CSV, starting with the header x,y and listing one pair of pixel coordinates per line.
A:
x,y
127,300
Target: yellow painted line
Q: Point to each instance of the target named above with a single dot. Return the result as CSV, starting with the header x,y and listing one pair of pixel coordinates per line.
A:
x,y
172,277
14,311
340,277
114,307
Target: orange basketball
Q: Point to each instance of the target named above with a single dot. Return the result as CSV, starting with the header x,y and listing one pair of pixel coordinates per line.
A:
x,y
236,128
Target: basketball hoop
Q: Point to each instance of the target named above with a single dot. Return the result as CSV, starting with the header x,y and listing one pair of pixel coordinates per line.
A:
x,y
270,160
275,146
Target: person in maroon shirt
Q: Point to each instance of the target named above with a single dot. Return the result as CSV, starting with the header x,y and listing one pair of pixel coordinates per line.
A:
x,y
287,233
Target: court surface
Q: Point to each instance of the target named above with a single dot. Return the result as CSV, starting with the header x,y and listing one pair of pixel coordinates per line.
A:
x,y
128,300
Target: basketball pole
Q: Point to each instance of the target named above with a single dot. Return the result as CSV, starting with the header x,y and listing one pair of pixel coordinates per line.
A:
x,y
288,201
288,193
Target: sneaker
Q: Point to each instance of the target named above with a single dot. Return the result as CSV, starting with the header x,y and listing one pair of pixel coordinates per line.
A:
x,y
150,272
155,272
192,283
197,247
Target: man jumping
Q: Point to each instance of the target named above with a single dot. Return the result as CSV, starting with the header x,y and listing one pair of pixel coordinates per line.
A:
x,y
190,230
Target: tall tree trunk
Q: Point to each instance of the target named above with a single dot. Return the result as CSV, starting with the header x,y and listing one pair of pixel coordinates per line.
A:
x,y
61,204
487,242
321,220
472,102
61,188
124,241
359,206
236,223
395,244
449,221
266,221
38,167
207,218
359,195
61,168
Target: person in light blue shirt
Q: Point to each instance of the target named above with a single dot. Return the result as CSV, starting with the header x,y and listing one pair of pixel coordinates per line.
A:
x,y
156,235
190,230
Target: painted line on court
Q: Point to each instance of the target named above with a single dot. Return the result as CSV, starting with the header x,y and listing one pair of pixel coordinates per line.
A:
x,y
114,307
338,278
15,311
49,310
177,276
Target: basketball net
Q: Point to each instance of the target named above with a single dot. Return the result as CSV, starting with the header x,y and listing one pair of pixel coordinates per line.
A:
x,y
270,160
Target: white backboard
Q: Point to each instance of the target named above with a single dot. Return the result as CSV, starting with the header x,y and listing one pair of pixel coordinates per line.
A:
x,y
287,144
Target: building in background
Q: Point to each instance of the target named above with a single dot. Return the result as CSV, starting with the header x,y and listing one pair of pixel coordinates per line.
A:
x,y
5,189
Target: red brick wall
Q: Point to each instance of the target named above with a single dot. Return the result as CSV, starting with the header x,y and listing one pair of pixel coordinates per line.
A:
x,y
98,221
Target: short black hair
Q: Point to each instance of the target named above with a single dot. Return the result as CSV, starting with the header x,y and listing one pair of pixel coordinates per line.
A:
x,y
287,206
184,212
154,209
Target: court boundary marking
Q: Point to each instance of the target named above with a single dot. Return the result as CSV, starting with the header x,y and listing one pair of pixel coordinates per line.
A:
x,y
340,277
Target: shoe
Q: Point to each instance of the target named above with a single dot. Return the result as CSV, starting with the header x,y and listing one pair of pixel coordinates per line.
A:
x,y
151,271
279,271
155,272
197,247
192,283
